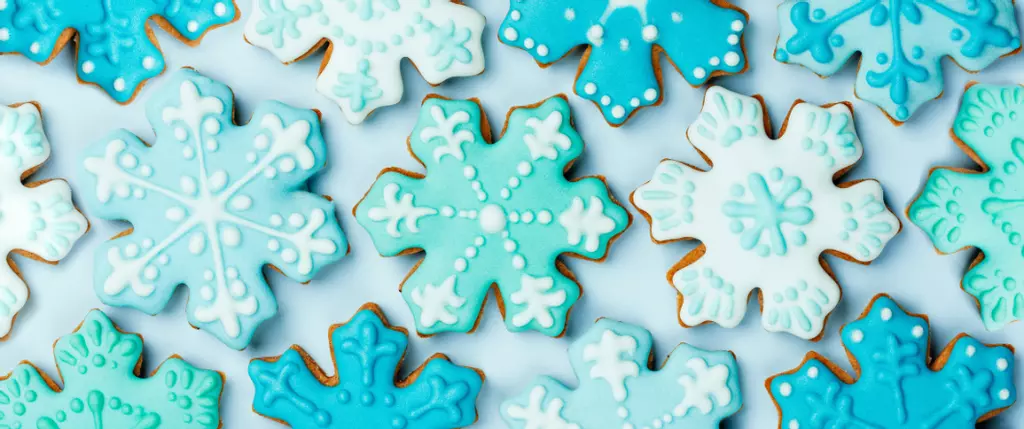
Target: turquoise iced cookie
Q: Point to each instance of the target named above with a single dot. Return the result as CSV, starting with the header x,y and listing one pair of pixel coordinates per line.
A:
x,y
365,391
116,49
100,368
897,385
901,42
959,208
618,390
625,39
211,203
491,214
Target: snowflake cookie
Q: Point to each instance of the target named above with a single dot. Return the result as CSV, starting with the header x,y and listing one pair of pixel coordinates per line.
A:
x,y
769,207
101,370
492,214
38,220
897,385
116,50
621,69
368,40
365,391
959,208
224,201
901,42
695,389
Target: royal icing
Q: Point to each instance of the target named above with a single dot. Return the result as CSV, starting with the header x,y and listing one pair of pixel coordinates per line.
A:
x,y
211,203
769,206
897,385
901,43
368,40
100,368
959,208
617,390
39,218
365,391
622,38
116,48
490,214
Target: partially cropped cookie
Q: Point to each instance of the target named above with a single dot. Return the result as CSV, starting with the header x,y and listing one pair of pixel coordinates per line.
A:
x,y
765,213
488,214
367,42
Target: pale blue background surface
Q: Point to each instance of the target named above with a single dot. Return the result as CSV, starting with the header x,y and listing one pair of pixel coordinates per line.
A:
x,y
629,286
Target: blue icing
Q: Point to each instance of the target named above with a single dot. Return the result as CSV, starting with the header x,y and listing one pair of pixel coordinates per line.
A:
x,y
901,41
701,38
769,211
211,203
115,49
491,214
897,385
364,392
617,389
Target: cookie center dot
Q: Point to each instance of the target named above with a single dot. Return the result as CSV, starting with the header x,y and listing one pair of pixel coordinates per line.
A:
x,y
492,219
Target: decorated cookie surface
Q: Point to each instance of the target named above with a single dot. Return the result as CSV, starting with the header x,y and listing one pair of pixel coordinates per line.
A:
x,y
368,40
765,212
695,389
489,214
39,218
901,43
897,385
211,203
365,391
960,208
100,367
621,70
116,49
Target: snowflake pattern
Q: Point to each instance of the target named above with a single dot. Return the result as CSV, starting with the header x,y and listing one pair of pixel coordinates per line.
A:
x,y
211,203
365,391
101,368
625,40
770,206
39,218
368,40
897,385
116,49
617,389
901,42
959,208
492,214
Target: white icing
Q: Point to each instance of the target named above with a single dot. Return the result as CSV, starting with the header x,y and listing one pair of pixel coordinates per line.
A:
x,y
547,137
606,355
444,129
536,416
586,224
706,387
399,208
434,302
534,294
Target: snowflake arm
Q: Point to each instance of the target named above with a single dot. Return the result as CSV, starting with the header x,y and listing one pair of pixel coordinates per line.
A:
x,y
221,199
100,367
897,385
629,32
369,39
902,43
694,389
488,214
367,354
776,202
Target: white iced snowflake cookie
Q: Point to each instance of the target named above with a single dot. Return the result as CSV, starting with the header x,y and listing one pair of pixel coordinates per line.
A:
x,y
765,213
38,219
368,40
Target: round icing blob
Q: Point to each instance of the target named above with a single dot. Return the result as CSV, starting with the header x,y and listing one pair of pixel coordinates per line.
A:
x,y
40,218
116,50
211,203
100,368
368,40
364,392
768,206
959,208
621,73
617,389
901,43
898,385
490,214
